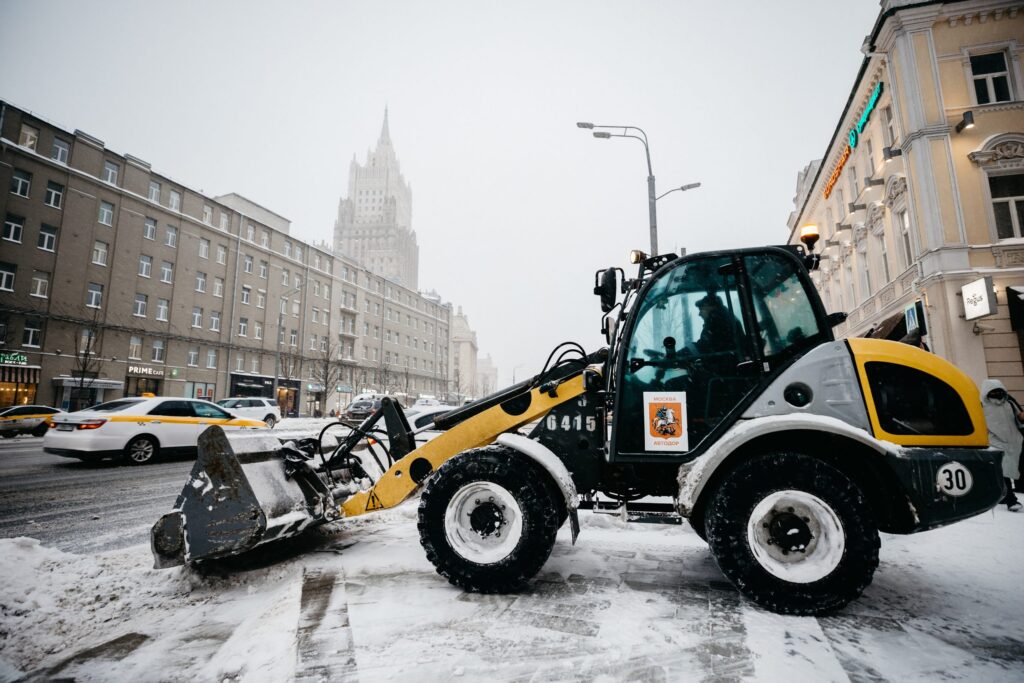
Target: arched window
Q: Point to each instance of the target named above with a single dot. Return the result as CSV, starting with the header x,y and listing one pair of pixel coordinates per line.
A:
x,y
1002,159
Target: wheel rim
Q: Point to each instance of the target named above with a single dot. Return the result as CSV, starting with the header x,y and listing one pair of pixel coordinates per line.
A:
x,y
270,422
796,536
483,523
141,451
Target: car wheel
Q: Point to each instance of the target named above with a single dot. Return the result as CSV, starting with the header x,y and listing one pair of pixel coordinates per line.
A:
x,y
269,419
141,450
40,430
486,520
9,435
793,534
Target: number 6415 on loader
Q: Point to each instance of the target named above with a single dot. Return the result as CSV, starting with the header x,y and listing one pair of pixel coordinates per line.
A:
x,y
722,386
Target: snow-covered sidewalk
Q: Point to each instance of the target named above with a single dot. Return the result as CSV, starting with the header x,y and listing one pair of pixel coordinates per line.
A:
x,y
628,602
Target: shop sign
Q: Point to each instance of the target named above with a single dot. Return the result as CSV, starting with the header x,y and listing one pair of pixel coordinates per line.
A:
x,y
853,137
145,371
979,298
344,389
13,358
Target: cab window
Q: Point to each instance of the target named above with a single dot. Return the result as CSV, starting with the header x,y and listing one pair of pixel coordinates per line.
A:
x,y
207,410
173,409
785,317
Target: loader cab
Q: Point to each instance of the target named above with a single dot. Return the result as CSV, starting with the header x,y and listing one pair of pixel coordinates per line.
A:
x,y
705,335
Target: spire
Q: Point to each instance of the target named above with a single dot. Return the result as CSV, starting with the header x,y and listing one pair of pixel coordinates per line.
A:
x,y
385,135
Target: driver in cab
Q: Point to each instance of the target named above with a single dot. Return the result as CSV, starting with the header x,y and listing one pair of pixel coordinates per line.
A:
x,y
721,330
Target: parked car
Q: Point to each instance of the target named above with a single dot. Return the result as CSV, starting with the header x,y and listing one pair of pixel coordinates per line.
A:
x,y
138,430
421,419
253,407
360,410
25,420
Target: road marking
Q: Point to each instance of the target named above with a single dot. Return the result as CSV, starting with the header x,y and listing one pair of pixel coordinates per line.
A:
x,y
324,648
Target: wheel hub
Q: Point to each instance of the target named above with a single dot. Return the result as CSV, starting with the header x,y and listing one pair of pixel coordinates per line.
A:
x,y
486,518
796,536
789,532
483,522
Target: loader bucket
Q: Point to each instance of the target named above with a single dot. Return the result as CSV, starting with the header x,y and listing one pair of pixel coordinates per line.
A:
x,y
237,497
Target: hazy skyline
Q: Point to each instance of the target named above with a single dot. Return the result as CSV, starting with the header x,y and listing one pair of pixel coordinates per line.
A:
x,y
513,206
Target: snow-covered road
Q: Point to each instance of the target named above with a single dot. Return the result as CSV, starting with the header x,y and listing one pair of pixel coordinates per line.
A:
x,y
629,602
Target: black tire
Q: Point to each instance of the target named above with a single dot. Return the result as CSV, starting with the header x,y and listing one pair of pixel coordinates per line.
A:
x,y
483,478
141,450
271,421
9,434
697,524
820,575
40,429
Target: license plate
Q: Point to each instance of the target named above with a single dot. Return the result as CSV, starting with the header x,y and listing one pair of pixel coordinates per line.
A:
x,y
65,428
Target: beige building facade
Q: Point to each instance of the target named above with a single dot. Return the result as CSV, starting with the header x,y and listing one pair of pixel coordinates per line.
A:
x,y
116,280
921,189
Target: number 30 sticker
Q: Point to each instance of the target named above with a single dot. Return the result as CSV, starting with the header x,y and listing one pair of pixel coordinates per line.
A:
x,y
953,479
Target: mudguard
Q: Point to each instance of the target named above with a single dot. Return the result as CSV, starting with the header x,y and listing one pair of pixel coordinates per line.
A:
x,y
550,462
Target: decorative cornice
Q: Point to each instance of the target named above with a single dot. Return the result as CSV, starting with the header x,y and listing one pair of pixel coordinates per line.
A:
x,y
969,18
895,188
1007,151
876,219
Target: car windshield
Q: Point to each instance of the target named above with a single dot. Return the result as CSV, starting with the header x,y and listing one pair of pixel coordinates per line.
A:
x,y
229,402
116,406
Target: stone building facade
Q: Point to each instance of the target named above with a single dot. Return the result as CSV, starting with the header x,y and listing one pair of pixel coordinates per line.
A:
x,y
463,359
116,280
921,189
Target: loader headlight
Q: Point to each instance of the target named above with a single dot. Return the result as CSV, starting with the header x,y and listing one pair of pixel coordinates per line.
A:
x,y
637,256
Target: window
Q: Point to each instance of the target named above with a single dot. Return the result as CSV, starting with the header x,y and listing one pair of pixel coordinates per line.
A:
x,y
254,367
222,254
871,157
13,227
106,215
243,327
884,253
140,305
175,202
215,321
60,151
327,292
28,137
162,307
298,253
94,295
293,338
145,265
200,281
295,307
7,271
21,182
910,401
991,78
250,232
264,269
323,343
211,358
99,253
257,330
149,230
225,221
54,194
903,227
193,356
110,171
284,276
171,237
47,238
287,248
207,214
154,191
312,342
316,288
248,263
158,351
240,362
87,341
264,239
40,284
32,333
1008,204
854,189
316,315
204,248
218,286
166,272
246,294
197,316
298,282
135,348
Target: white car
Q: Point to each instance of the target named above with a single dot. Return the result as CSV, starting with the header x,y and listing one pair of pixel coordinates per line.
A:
x,y
138,430
253,407
25,420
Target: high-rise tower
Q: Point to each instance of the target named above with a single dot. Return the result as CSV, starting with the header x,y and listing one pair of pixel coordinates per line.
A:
x,y
374,223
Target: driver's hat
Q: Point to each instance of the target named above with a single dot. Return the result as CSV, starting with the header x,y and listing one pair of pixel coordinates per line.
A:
x,y
709,300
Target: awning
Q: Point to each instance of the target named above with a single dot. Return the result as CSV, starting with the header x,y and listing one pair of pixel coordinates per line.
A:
x,y
19,374
90,383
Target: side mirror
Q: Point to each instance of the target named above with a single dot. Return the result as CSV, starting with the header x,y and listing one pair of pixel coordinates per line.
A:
x,y
606,288
834,319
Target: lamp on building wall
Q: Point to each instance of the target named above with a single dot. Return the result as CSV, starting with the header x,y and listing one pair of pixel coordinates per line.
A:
x,y
888,153
966,122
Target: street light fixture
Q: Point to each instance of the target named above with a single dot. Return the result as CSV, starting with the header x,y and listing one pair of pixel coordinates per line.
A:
x,y
684,188
652,209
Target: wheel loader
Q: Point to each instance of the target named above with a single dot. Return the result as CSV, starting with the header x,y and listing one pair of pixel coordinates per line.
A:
x,y
721,386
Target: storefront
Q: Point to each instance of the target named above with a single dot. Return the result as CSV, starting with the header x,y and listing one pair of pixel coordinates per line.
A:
x,y
288,397
252,385
144,379
18,380
78,393
315,399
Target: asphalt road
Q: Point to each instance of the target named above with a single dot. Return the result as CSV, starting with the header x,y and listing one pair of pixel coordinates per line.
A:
x,y
82,507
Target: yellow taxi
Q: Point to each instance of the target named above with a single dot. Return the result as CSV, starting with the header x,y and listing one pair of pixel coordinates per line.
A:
x,y
25,420
138,430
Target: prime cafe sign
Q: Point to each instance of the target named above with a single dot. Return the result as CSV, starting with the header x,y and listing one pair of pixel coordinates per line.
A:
x,y
853,137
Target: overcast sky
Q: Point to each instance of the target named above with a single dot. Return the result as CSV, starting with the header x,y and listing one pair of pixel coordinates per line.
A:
x,y
514,207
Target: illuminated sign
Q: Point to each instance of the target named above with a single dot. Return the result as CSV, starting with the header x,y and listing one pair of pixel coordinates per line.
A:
x,y
13,359
979,298
853,137
145,371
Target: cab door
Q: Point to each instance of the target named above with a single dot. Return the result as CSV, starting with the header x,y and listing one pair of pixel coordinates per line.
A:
x,y
208,414
174,424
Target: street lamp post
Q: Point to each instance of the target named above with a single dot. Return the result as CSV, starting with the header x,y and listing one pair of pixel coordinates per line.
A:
x,y
652,208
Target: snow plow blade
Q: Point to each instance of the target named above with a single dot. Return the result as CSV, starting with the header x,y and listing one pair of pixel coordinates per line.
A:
x,y
242,492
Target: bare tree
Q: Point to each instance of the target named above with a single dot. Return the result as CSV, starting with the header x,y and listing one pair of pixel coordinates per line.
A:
x,y
88,361
326,369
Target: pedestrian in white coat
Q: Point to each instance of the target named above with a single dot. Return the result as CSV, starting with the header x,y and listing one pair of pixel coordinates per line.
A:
x,y
1004,433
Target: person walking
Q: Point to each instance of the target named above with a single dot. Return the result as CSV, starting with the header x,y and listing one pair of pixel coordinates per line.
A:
x,y
1004,433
